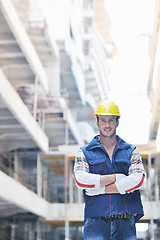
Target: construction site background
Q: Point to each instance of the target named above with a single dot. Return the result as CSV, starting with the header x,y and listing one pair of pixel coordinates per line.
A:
x,y
54,70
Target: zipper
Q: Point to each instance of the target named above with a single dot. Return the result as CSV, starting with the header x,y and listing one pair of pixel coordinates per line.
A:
x,y
113,158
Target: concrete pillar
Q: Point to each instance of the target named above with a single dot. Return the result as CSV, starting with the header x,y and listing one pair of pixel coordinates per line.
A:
x,y
67,230
66,166
16,166
151,229
39,175
35,99
13,231
66,178
149,177
66,183
38,230
45,187
70,183
156,185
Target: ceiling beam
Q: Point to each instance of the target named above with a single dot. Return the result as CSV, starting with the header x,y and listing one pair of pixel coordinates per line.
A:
x,y
24,41
15,104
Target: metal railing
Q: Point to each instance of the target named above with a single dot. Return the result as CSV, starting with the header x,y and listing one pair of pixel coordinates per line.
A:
x,y
7,165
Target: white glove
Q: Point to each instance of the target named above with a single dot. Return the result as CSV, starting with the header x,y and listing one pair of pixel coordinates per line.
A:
x,y
93,192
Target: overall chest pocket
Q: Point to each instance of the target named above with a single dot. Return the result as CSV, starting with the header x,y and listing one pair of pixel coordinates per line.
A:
x,y
97,166
122,165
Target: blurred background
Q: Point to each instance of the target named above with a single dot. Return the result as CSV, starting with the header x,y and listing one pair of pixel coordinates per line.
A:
x,y
58,60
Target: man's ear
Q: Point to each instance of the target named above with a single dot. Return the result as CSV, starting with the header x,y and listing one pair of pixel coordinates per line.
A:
x,y
97,124
117,123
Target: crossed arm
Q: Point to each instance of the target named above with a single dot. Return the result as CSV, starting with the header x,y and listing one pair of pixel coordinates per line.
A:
x,y
96,184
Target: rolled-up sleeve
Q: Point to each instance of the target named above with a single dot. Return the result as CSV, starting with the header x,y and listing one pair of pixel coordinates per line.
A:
x,y
135,178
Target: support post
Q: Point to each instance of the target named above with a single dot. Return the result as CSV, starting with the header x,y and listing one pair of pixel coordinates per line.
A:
x,y
39,175
70,183
13,231
38,230
16,166
35,99
149,177
152,229
66,184
67,230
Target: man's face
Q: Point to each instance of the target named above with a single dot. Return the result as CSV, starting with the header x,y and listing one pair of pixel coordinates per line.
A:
x,y
107,125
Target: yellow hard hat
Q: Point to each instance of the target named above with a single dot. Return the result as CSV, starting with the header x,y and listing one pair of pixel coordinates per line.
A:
x,y
107,108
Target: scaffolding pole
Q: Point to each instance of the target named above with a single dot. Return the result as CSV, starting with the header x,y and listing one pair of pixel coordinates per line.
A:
x,y
67,235
39,175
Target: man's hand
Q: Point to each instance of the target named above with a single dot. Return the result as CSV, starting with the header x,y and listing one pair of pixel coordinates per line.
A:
x,y
102,190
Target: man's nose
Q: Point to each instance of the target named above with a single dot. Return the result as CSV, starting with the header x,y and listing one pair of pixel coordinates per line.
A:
x,y
107,124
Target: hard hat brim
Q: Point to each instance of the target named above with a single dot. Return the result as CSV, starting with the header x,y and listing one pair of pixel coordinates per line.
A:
x,y
107,114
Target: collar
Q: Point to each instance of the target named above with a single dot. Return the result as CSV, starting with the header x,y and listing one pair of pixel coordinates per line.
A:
x,y
96,143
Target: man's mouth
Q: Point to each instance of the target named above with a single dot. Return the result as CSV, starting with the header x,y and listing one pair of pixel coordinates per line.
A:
x,y
107,129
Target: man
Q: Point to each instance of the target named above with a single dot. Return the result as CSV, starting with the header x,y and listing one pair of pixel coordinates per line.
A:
x,y
110,172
